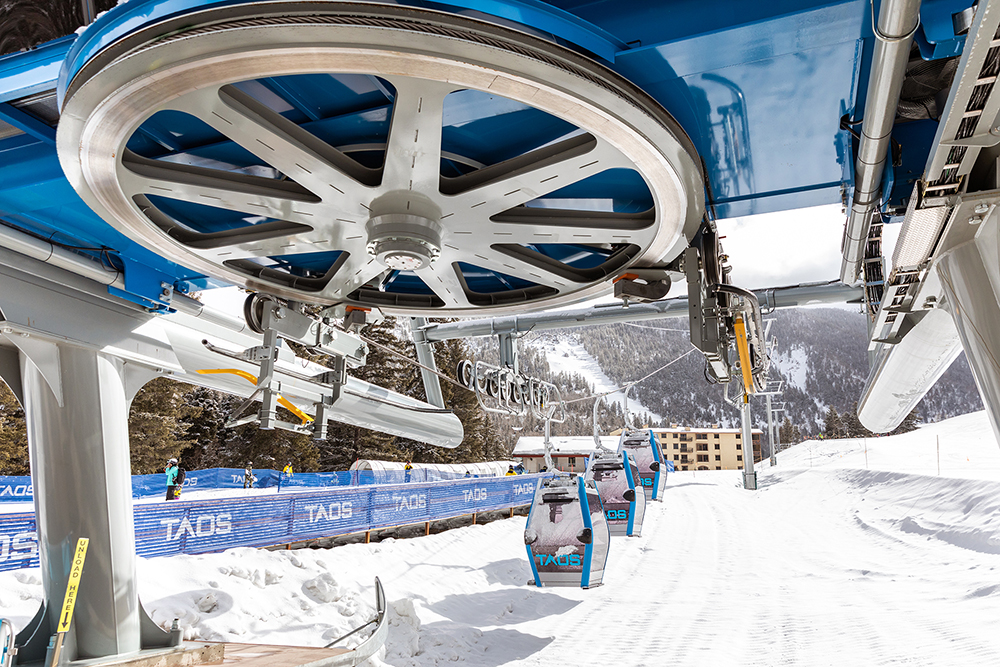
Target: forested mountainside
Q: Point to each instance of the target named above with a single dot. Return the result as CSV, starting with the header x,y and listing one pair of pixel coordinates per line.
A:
x,y
821,356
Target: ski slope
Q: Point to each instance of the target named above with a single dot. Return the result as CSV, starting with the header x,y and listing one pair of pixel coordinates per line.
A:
x,y
829,563
566,354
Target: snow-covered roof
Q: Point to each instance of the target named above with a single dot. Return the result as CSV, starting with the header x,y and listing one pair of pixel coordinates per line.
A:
x,y
578,445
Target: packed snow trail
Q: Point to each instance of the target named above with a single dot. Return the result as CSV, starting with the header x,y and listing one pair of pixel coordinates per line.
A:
x,y
828,565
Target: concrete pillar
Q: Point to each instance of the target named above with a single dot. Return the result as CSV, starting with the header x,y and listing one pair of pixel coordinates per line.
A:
x,y
77,419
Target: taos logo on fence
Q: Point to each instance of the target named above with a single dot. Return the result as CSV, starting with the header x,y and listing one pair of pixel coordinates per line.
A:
x,y
526,488
646,481
330,512
565,560
615,515
18,546
204,525
16,491
474,494
414,501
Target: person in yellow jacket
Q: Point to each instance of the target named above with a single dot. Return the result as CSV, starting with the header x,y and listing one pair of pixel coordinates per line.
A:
x,y
510,471
286,474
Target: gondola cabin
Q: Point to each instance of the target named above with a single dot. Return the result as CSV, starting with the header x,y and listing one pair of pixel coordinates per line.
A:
x,y
642,446
567,536
616,477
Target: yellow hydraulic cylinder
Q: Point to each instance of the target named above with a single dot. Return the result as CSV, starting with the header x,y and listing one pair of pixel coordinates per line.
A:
x,y
743,349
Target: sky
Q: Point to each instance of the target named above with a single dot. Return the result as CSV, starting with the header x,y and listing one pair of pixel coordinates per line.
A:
x,y
789,247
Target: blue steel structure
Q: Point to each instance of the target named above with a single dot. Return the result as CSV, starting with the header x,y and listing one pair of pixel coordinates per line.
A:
x,y
760,89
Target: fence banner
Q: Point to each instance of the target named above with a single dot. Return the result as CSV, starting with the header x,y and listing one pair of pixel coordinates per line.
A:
x,y
15,489
18,489
210,525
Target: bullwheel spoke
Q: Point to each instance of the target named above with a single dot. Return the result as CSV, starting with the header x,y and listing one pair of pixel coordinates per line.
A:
x,y
413,153
251,195
356,271
443,280
545,225
517,181
511,266
295,152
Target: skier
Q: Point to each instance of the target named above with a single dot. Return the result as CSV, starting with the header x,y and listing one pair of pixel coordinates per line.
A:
x,y
285,475
171,471
408,469
510,471
468,474
248,478
519,468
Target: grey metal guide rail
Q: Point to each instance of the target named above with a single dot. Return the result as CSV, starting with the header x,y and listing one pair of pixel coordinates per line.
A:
x,y
769,299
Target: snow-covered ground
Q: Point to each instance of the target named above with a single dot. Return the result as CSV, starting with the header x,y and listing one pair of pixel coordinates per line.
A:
x,y
829,563
567,355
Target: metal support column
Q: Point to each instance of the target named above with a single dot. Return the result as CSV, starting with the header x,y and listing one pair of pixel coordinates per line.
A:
x,y
770,431
970,277
749,476
425,355
77,418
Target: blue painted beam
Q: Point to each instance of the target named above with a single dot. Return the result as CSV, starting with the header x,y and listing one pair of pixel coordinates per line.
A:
x,y
27,123
33,72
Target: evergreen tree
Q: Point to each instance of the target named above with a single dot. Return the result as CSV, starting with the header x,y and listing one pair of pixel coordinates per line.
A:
x,y
785,434
13,435
908,424
852,426
156,428
832,426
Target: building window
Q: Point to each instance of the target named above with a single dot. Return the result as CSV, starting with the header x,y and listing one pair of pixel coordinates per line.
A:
x,y
675,436
572,462
703,458
701,436
718,467
702,467
676,458
739,435
739,458
684,457
717,446
716,436
702,446
684,467
739,446
675,445
718,458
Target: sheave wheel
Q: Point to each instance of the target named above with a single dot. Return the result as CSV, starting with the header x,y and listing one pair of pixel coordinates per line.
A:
x,y
380,156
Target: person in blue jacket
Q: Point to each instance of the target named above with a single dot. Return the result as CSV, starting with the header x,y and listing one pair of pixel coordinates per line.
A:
x,y
171,479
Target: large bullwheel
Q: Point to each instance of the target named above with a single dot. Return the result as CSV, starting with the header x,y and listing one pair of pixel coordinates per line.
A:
x,y
380,156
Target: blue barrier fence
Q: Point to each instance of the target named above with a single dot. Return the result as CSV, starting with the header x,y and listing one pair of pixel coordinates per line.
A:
x,y
18,489
204,526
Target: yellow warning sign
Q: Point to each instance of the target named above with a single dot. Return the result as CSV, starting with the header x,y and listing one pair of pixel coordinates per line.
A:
x,y
73,585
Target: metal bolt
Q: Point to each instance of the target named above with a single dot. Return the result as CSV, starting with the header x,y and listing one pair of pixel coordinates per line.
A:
x,y
279,313
975,220
982,208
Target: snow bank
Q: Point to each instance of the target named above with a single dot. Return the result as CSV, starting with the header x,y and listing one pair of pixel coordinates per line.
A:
x,y
832,564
